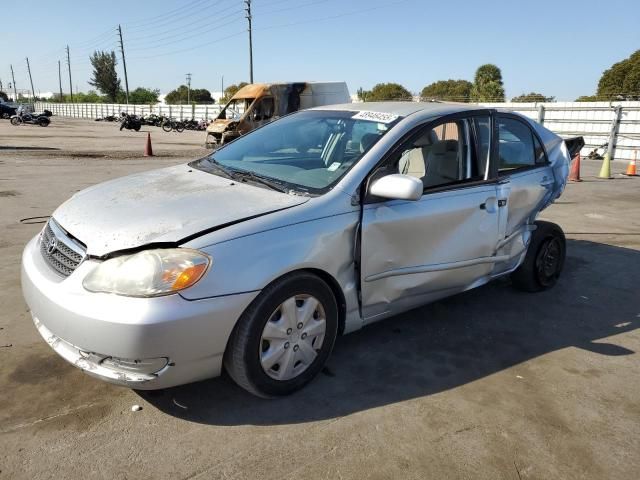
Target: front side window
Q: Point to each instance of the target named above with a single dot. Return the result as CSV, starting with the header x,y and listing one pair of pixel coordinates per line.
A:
x,y
308,151
235,108
440,155
515,145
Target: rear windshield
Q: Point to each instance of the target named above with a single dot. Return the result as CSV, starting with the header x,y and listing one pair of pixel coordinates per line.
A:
x,y
308,151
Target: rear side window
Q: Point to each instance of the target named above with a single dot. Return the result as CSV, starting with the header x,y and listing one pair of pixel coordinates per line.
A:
x,y
515,145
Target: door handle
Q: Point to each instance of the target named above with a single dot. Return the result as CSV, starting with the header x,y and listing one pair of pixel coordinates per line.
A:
x,y
489,205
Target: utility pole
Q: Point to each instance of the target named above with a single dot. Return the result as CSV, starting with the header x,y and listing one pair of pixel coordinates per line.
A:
x,y
124,64
15,92
189,88
248,10
60,79
33,92
70,83
222,86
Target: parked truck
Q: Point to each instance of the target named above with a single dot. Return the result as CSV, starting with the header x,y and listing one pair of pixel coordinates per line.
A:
x,y
260,103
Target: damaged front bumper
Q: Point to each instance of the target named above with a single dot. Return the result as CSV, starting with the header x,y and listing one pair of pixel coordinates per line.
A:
x,y
142,343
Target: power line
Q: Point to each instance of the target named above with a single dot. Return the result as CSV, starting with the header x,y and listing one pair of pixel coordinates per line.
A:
x,y
163,15
159,43
180,28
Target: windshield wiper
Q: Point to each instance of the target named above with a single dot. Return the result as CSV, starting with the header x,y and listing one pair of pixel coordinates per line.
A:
x,y
227,171
246,175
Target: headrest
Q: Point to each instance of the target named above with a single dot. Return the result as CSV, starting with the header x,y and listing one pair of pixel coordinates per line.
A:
x,y
367,141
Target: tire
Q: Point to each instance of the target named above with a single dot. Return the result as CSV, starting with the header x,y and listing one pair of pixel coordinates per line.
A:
x,y
544,261
249,347
15,121
167,127
43,122
121,126
137,128
179,127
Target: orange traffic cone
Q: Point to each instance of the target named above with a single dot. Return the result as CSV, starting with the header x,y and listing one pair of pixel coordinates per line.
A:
x,y
631,168
148,151
574,174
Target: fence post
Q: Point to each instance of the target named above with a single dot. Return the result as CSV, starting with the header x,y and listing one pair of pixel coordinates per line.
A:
x,y
169,111
613,135
541,114
181,110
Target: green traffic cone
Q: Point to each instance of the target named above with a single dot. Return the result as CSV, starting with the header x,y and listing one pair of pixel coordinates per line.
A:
x,y
605,171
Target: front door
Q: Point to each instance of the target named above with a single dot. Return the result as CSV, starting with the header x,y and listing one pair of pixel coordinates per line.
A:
x,y
416,252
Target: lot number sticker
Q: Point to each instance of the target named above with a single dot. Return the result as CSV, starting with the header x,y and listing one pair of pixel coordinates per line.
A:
x,y
375,116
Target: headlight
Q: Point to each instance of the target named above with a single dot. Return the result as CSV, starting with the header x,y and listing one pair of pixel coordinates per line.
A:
x,y
148,273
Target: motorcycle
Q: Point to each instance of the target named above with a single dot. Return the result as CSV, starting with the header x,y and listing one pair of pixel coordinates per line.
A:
x,y
130,122
41,119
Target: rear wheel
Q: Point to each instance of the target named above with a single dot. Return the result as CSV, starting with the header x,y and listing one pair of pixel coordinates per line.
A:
x,y
179,126
283,339
43,122
544,260
167,127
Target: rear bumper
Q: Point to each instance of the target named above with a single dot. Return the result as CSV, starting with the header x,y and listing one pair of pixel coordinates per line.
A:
x,y
88,328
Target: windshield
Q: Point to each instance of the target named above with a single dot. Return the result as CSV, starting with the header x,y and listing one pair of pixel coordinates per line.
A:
x,y
235,108
308,151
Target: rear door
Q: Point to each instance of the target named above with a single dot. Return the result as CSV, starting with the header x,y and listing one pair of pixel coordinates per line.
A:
x,y
415,252
523,171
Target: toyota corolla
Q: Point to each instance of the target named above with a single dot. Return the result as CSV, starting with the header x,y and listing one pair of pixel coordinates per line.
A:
x,y
257,257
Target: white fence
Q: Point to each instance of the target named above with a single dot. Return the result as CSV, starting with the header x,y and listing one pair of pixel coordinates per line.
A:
x,y
595,121
100,110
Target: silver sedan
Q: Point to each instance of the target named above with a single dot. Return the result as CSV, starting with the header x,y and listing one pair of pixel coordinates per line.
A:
x,y
256,257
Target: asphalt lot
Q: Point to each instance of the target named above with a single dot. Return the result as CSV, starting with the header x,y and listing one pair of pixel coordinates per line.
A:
x,y
490,384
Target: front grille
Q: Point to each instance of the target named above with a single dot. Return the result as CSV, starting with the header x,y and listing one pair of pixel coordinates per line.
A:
x,y
62,253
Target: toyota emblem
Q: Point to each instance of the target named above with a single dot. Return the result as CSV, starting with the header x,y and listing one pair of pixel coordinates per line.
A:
x,y
52,245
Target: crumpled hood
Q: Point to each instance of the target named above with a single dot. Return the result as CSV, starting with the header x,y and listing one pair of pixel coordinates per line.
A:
x,y
219,125
165,205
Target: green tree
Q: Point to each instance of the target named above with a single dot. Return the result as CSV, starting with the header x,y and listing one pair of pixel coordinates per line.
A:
x,y
587,98
144,96
231,90
181,94
387,91
104,76
487,85
452,90
622,80
3,96
532,97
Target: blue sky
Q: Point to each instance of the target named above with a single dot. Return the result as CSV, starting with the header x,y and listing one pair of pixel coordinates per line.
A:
x,y
557,48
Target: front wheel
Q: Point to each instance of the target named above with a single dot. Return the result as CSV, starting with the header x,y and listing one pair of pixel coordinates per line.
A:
x,y
15,121
544,260
283,339
167,127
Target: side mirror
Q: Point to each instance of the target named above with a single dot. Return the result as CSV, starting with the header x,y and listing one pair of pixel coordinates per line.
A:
x,y
397,187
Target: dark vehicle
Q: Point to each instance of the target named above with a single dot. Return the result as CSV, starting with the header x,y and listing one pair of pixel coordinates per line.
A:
x,y
7,111
130,122
41,119
170,124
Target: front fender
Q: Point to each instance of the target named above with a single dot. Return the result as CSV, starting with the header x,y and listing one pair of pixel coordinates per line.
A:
x,y
251,262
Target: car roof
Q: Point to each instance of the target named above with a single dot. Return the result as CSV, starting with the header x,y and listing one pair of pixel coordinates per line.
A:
x,y
404,109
